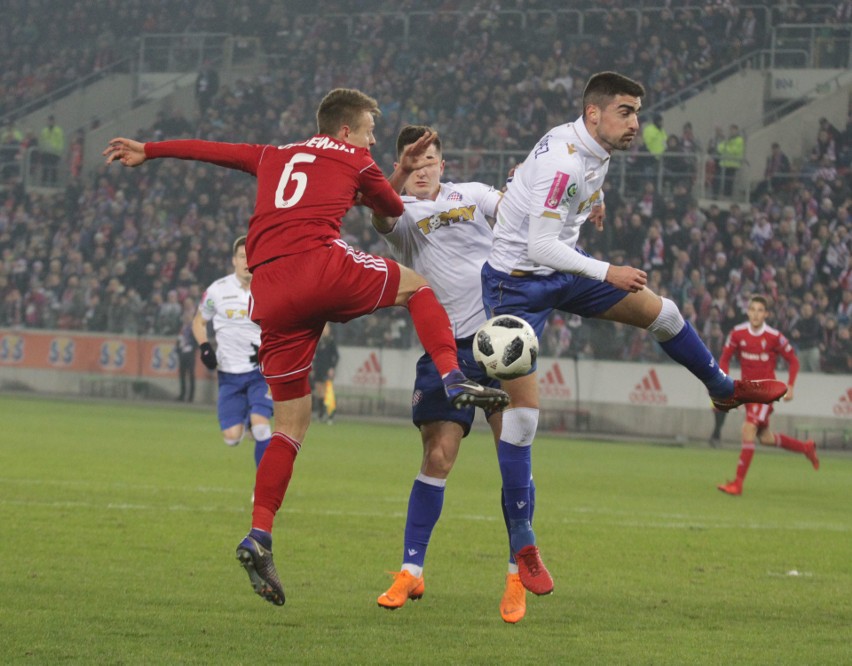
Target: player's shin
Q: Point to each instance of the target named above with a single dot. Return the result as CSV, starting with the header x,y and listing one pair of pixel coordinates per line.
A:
x,y
434,329
514,453
273,477
680,341
424,509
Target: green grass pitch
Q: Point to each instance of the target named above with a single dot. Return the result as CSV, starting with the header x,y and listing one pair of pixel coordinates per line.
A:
x,y
118,524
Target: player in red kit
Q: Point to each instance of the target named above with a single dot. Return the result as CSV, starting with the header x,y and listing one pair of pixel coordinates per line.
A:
x,y
304,275
757,347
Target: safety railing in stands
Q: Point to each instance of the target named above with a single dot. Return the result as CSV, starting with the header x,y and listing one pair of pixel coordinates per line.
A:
x,y
760,60
125,65
829,46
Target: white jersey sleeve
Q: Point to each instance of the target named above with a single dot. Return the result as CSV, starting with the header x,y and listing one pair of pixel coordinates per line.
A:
x,y
447,241
237,337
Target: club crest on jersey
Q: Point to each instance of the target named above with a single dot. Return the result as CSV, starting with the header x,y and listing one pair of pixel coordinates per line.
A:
x,y
445,218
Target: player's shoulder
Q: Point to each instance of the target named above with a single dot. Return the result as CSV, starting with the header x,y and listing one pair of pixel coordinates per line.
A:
x,y
218,285
463,191
560,145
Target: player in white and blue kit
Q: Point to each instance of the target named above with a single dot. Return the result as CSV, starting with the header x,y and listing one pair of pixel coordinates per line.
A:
x,y
535,268
244,398
445,235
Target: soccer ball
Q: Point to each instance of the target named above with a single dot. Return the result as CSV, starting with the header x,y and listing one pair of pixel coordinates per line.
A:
x,y
505,347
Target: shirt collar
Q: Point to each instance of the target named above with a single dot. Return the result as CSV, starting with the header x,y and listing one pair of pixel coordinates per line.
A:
x,y
590,145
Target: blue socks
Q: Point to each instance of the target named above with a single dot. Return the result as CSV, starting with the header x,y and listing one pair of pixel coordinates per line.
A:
x,y
688,349
424,509
259,448
263,538
516,470
506,517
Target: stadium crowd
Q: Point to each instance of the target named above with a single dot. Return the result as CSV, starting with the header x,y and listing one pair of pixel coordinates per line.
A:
x,y
129,251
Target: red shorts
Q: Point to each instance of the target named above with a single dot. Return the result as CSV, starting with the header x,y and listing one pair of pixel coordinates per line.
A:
x,y
758,414
293,297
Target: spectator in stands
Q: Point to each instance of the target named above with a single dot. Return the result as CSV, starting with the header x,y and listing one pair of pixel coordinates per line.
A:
x,y
807,336
206,86
51,145
731,153
777,172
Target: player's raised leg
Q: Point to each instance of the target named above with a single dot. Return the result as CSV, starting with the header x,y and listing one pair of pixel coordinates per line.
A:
x,y
436,335
680,341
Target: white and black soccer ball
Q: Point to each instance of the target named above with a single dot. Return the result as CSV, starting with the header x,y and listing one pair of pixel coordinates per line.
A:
x,y
505,347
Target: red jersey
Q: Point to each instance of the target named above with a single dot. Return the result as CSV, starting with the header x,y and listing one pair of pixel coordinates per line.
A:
x,y
303,189
758,352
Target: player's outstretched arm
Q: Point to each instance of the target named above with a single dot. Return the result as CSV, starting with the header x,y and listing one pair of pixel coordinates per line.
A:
x,y
127,151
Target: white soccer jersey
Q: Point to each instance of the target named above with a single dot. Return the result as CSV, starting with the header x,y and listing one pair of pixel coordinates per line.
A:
x,y
226,303
447,241
562,175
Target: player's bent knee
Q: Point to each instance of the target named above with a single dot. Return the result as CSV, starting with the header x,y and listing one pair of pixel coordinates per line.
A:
x,y
668,323
261,432
231,441
519,425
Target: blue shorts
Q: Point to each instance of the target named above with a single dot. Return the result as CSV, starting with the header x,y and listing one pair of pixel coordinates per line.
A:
x,y
241,395
429,401
534,297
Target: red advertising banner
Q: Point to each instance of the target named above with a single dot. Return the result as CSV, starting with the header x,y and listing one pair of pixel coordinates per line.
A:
x,y
114,355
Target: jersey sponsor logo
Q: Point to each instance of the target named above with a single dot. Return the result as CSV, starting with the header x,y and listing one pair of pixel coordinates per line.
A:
x,y
843,406
551,384
649,391
113,355
61,352
12,349
434,222
236,313
557,190
370,372
752,356
164,357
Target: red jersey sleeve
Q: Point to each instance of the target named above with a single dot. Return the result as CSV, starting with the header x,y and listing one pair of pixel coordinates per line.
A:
x,y
240,156
785,349
727,353
377,192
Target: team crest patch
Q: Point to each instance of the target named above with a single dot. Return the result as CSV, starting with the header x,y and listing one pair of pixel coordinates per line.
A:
x,y
454,196
557,190
572,190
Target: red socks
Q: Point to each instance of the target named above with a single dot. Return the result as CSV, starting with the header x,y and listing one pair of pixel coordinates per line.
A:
x,y
434,329
746,454
789,443
273,477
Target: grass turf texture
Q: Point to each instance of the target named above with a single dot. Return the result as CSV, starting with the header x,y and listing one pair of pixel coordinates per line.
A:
x,y
118,525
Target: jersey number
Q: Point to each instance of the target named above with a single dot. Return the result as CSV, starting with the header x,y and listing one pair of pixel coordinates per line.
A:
x,y
297,177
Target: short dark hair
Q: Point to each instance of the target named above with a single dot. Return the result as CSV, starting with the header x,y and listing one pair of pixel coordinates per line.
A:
x,y
604,86
410,133
760,299
344,106
240,242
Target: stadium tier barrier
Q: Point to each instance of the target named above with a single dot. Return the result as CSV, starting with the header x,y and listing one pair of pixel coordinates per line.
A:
x,y
649,400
